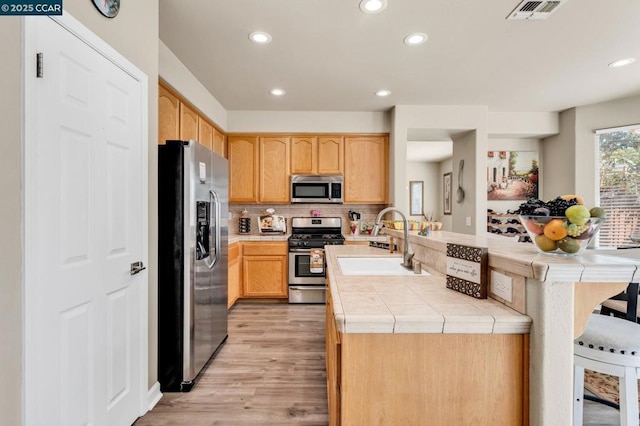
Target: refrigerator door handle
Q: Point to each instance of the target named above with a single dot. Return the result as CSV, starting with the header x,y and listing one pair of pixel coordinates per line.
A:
x,y
215,201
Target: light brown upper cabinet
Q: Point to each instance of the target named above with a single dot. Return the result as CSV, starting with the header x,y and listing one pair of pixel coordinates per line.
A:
x,y
219,144
330,155
274,174
205,133
188,123
304,155
242,152
168,116
366,169
177,119
313,155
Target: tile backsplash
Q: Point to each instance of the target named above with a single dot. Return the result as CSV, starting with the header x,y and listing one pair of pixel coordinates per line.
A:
x,y
368,214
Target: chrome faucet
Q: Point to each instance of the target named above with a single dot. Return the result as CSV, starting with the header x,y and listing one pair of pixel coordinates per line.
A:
x,y
407,256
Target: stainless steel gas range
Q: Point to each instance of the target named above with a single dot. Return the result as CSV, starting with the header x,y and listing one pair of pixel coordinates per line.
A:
x,y
308,237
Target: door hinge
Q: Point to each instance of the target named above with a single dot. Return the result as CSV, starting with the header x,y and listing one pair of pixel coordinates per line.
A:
x,y
39,65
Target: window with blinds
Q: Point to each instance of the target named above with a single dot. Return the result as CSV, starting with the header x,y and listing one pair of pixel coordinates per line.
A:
x,y
619,175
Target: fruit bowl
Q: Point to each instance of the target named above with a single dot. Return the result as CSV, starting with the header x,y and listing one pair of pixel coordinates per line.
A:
x,y
556,235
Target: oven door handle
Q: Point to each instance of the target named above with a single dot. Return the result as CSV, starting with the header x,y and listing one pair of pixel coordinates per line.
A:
x,y
307,287
298,250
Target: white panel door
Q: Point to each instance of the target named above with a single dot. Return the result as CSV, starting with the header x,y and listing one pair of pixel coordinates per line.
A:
x,y
84,229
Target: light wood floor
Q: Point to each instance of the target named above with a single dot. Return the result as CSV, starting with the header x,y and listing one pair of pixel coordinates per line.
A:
x,y
271,371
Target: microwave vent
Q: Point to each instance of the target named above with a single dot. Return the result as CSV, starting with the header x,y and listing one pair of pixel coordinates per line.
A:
x,y
535,10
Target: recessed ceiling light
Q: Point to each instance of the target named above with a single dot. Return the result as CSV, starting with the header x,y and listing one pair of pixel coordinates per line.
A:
x,y
277,92
622,62
382,93
260,37
373,6
415,39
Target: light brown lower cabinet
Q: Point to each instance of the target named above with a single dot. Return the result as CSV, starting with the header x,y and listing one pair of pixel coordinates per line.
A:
x,y
264,269
234,274
426,379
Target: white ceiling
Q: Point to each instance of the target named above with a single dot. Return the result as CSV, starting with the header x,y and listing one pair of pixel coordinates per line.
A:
x,y
329,56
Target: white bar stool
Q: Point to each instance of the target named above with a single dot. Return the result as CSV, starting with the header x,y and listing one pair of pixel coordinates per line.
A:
x,y
611,346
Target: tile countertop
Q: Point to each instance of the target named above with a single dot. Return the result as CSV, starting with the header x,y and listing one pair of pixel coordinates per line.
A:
x,y
235,238
523,258
411,303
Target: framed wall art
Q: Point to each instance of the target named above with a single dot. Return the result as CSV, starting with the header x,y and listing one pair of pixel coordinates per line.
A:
x,y
512,175
446,191
416,188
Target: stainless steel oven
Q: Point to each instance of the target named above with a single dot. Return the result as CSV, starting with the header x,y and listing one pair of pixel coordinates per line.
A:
x,y
300,270
306,256
305,286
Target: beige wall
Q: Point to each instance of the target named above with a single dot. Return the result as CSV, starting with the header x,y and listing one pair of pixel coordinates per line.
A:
x,y
522,124
465,148
558,157
134,34
178,76
308,121
11,222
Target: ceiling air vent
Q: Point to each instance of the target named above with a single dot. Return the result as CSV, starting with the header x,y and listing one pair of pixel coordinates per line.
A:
x,y
535,9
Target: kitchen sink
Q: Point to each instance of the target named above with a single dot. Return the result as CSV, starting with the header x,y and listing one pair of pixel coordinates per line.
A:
x,y
374,266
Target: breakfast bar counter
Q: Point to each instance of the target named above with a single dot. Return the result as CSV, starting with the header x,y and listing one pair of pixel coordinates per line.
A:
x,y
411,303
555,293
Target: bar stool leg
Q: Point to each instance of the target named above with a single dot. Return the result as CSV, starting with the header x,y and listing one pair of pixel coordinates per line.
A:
x,y
578,394
628,385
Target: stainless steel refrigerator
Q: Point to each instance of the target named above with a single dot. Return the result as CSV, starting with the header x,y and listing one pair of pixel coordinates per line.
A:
x,y
192,260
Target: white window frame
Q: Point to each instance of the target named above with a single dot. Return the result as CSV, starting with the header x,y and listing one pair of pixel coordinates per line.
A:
x,y
598,133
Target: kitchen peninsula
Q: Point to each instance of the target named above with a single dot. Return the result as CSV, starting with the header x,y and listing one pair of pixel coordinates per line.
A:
x,y
421,353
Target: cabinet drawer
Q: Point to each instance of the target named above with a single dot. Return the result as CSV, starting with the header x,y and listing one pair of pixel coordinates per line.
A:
x,y
265,249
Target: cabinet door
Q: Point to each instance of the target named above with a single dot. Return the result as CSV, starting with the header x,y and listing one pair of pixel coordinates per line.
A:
x,y
243,169
168,116
234,274
188,123
333,364
274,170
366,169
264,276
219,143
304,155
330,156
205,133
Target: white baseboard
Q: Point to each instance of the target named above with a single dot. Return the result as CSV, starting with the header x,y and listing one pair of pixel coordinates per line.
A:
x,y
154,395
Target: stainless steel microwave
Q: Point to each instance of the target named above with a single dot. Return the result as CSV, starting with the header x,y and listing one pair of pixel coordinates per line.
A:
x,y
316,189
